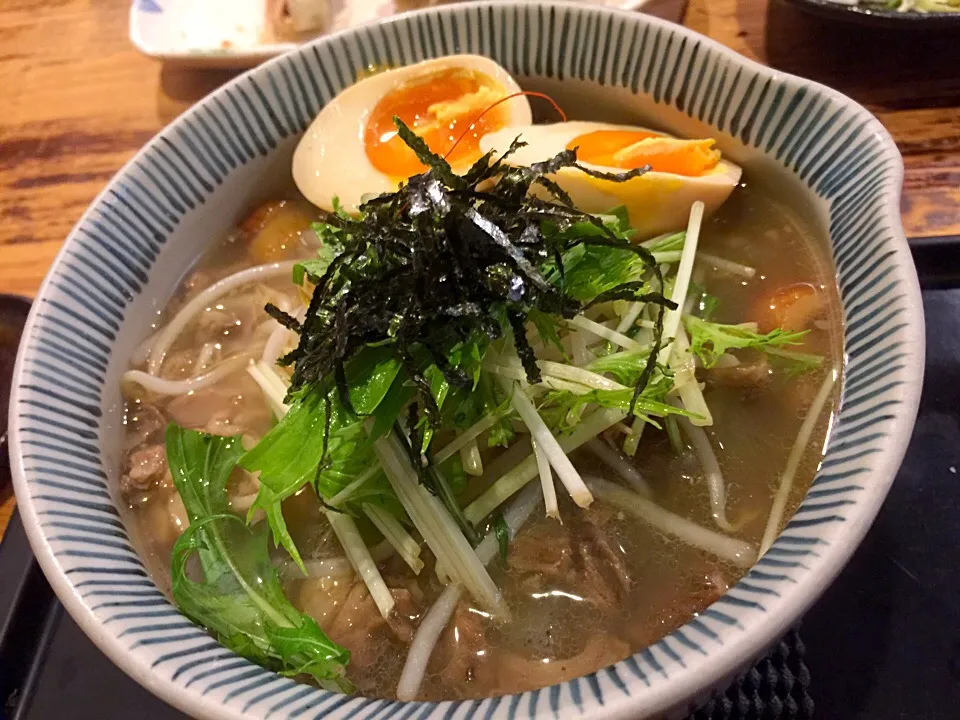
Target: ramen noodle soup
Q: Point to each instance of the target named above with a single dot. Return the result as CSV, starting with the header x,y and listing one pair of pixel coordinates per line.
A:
x,y
478,405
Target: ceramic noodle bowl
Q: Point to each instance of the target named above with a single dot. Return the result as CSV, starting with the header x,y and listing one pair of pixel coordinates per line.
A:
x,y
199,177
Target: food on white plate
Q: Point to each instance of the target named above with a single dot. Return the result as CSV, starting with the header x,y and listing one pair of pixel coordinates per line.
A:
x,y
682,170
474,435
298,20
352,148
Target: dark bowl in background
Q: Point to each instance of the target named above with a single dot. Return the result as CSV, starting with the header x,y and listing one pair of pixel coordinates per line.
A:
x,y
879,18
13,314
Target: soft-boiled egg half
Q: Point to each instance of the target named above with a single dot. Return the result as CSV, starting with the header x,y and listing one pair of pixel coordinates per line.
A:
x,y
352,148
682,171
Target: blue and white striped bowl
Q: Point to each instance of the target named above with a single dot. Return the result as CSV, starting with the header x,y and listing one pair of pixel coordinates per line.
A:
x,y
196,179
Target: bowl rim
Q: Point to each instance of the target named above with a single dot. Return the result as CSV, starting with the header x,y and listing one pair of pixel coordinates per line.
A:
x,y
737,649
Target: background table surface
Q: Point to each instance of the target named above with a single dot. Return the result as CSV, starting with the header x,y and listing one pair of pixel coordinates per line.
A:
x,y
78,101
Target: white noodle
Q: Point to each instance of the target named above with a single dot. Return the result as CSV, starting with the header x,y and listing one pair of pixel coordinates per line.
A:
x,y
740,553
166,337
277,382
728,266
142,351
425,640
275,344
716,487
273,387
162,386
793,461
204,357
326,567
620,464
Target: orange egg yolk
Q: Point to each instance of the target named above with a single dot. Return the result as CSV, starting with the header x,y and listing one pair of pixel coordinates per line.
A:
x,y
629,149
439,107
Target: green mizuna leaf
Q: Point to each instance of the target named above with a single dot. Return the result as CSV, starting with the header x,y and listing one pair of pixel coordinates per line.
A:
x,y
795,363
290,454
272,505
239,598
594,269
561,410
314,268
709,340
626,366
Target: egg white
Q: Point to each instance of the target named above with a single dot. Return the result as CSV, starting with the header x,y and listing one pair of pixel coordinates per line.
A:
x,y
657,202
331,161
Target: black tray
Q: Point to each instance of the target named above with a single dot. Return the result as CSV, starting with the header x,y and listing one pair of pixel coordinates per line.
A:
x,y
938,260
882,644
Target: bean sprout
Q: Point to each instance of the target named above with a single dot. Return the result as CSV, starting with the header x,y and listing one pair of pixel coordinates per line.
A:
x,y
716,487
740,553
793,462
275,344
162,386
436,619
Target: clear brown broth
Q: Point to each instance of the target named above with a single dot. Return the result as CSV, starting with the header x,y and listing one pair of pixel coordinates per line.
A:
x,y
552,632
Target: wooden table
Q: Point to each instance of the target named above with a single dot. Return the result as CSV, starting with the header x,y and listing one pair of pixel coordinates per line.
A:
x,y
76,101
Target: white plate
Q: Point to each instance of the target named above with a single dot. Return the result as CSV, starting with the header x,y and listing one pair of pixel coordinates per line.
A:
x,y
230,33
218,33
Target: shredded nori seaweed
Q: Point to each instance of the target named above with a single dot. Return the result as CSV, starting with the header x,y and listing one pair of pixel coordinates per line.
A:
x,y
450,259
